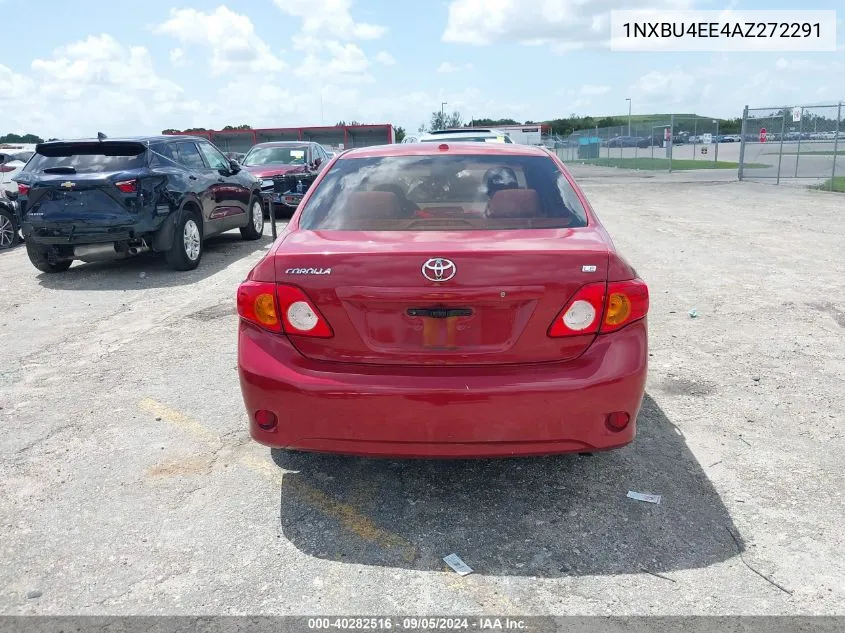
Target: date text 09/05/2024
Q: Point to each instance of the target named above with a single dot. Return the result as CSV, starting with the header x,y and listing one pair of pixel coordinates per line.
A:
x,y
418,624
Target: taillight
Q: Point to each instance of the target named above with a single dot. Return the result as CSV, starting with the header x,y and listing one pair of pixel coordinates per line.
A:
x,y
602,308
582,315
5,169
281,308
299,315
257,304
23,189
127,186
627,301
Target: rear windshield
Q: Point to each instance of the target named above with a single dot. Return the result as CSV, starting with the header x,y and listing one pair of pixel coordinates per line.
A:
x,y
442,193
89,157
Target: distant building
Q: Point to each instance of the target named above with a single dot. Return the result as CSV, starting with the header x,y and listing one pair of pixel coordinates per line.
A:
x,y
333,137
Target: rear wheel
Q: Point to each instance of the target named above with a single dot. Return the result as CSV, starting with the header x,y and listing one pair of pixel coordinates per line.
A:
x,y
186,251
38,257
255,223
8,230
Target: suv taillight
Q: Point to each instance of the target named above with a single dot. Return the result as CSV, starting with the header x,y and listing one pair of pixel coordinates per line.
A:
x,y
127,186
23,189
281,308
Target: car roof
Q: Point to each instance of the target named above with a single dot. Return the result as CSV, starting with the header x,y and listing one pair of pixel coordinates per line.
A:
x,y
284,144
159,138
455,147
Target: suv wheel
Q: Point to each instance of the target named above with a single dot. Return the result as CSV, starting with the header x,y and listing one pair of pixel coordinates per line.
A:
x,y
8,231
186,251
255,222
38,257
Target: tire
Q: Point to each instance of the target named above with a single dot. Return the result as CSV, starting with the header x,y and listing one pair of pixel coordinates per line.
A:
x,y
185,252
38,257
254,229
8,230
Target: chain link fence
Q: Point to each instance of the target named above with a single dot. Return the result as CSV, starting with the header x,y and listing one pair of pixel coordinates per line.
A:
x,y
673,142
799,142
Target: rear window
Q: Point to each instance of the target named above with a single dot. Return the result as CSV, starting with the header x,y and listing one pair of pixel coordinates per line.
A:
x,y
89,157
441,193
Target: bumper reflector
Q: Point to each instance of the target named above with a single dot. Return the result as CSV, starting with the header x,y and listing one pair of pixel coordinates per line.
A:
x,y
266,419
618,420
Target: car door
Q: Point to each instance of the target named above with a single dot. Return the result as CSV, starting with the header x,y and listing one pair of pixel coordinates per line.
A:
x,y
230,193
204,180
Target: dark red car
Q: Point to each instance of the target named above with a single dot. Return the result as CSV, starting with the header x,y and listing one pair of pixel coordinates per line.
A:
x,y
443,300
286,170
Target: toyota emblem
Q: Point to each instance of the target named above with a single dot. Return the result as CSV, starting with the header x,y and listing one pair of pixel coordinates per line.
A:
x,y
439,269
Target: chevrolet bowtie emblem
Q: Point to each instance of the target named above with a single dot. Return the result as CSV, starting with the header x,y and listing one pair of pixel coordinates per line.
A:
x,y
67,185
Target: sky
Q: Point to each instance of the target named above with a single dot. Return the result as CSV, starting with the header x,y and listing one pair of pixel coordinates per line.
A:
x,y
73,68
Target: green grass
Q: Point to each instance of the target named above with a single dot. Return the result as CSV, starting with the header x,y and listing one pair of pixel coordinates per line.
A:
x,y
838,185
662,164
822,152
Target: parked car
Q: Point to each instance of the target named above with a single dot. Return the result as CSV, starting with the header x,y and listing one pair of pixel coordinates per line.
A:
x,y
628,141
286,170
11,164
431,301
9,221
466,135
107,199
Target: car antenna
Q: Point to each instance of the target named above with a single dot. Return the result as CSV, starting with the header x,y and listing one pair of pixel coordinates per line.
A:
x,y
101,136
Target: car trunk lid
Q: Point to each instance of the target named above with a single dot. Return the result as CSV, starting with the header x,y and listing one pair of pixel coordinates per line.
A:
x,y
384,308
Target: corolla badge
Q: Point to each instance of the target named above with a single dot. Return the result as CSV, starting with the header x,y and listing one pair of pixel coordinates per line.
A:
x,y
308,271
439,269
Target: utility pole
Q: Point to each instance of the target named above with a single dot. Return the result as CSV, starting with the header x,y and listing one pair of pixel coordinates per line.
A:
x,y
442,116
628,99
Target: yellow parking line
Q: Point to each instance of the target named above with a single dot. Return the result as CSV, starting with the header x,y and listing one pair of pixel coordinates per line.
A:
x,y
346,514
172,416
352,519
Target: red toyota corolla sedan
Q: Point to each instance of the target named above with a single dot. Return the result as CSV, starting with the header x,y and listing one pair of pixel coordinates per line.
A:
x,y
443,300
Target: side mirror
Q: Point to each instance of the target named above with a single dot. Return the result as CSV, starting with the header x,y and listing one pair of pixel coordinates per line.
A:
x,y
318,161
234,166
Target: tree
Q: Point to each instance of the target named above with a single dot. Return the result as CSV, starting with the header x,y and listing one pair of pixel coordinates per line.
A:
x,y
442,121
238,127
18,138
171,130
491,122
400,134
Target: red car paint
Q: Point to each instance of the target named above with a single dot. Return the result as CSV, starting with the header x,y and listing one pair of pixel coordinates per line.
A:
x,y
265,171
495,383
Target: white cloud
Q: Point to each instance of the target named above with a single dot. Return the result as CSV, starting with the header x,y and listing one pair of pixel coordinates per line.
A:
x,y
330,18
593,90
230,36
449,67
95,84
385,58
347,64
562,24
178,58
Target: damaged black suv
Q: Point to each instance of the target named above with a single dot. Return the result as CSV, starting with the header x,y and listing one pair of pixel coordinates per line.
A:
x,y
106,199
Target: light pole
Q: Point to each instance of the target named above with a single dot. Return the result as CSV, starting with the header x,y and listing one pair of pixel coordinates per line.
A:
x,y
442,119
628,99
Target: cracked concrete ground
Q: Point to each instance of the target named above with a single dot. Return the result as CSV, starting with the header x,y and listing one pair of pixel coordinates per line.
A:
x,y
128,484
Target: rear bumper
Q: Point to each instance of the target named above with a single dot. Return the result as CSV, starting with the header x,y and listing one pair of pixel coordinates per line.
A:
x,y
63,235
443,411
